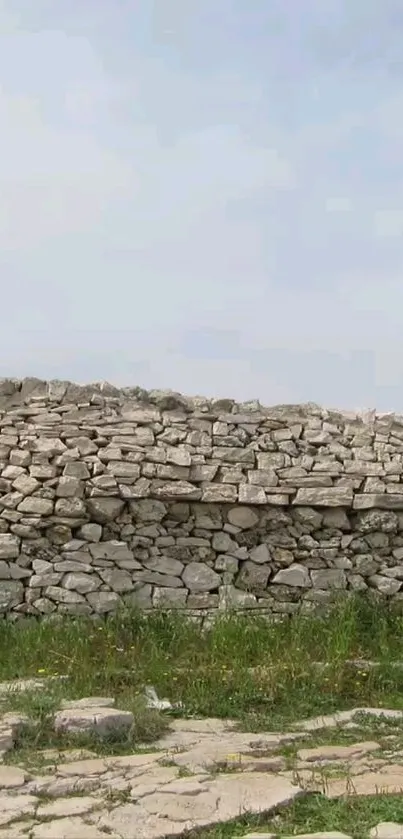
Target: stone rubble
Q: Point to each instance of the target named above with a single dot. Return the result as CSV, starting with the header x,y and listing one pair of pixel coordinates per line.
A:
x,y
111,497
203,772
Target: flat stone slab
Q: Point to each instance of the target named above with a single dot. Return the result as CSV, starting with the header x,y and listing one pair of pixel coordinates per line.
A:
x,y
11,777
384,782
16,807
326,754
181,807
387,830
97,720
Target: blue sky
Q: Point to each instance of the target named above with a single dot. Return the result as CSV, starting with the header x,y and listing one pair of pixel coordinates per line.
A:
x,y
204,195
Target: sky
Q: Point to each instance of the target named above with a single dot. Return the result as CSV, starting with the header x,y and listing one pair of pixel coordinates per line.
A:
x,y
204,195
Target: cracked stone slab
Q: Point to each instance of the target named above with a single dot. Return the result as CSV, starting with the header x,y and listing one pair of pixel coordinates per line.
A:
x,y
16,806
186,804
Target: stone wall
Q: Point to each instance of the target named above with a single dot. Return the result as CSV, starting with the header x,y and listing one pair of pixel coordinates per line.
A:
x,y
110,496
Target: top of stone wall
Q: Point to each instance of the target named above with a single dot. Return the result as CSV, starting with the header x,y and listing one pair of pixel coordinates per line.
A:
x,y
161,444
20,392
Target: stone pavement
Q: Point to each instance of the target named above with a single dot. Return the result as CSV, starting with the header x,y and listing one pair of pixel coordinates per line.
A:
x,y
202,773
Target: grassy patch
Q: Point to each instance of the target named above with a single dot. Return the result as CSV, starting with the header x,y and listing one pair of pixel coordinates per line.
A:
x,y
266,675
353,816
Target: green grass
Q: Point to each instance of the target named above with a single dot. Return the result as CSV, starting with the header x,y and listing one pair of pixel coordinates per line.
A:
x,y
263,674
353,816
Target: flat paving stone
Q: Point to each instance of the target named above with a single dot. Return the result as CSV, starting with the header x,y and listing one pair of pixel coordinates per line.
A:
x,y
333,753
67,807
170,813
385,782
387,830
70,828
16,806
11,777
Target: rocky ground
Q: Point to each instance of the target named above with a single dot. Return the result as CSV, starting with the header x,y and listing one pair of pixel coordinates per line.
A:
x,y
202,773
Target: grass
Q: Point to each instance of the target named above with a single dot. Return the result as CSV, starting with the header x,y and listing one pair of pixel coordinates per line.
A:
x,y
314,813
265,675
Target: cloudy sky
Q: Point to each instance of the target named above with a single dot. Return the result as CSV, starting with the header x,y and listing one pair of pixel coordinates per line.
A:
x,y
204,195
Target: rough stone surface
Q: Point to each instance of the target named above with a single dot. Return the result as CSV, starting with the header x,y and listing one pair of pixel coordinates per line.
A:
x,y
112,496
201,773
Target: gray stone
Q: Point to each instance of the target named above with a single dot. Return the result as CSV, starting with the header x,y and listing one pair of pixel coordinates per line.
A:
x,y
199,577
243,517
295,575
219,493
83,583
260,554
69,487
386,585
9,546
118,581
104,510
325,496
169,598
103,601
91,532
63,595
164,565
253,577
112,550
329,579
148,510
11,594
26,485
233,598
36,506
71,508
249,494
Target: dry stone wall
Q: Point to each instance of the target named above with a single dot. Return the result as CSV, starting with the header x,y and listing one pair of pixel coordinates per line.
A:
x,y
114,496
